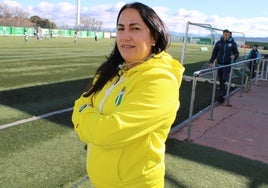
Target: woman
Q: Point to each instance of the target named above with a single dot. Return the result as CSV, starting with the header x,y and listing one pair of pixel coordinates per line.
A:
x,y
126,114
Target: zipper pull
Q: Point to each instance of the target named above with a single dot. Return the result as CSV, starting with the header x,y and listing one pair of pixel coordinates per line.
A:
x,y
120,96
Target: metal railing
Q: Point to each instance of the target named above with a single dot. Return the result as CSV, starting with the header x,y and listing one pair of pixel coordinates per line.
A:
x,y
247,78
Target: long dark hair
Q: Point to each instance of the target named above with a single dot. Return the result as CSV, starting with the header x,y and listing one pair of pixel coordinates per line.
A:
x,y
109,69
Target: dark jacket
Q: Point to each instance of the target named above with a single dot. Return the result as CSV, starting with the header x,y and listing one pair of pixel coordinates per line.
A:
x,y
253,54
223,50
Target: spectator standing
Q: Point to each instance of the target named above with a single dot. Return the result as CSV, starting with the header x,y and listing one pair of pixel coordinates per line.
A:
x,y
224,53
253,54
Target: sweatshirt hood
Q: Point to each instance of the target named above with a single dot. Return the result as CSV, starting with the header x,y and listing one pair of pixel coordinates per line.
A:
x,y
162,60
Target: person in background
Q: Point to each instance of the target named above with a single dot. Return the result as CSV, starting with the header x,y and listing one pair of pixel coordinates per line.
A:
x,y
127,112
26,37
224,52
253,54
47,36
38,37
75,37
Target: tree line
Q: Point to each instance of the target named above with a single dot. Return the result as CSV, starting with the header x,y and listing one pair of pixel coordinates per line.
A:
x,y
16,17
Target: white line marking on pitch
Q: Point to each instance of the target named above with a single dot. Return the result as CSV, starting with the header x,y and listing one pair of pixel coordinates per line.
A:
x,y
34,118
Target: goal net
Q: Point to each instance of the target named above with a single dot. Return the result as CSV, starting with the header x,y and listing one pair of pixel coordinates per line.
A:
x,y
198,42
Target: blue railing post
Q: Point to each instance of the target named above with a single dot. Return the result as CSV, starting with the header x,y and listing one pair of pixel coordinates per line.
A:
x,y
195,76
215,75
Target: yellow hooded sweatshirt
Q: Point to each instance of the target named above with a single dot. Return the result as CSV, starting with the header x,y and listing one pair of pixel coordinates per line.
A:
x,y
128,123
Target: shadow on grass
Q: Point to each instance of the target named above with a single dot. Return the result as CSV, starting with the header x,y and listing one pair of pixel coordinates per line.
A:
x,y
202,99
192,67
256,172
38,100
46,98
42,99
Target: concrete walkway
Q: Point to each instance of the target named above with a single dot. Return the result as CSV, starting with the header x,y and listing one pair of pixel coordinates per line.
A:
x,y
241,129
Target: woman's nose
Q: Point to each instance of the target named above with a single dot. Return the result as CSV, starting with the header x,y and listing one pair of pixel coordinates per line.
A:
x,y
125,35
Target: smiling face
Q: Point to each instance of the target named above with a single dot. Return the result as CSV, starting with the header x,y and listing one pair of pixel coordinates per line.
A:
x,y
134,39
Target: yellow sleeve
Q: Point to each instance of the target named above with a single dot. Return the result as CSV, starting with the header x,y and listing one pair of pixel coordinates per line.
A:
x,y
150,105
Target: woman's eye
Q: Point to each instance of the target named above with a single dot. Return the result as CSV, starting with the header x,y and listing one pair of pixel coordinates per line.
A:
x,y
135,28
120,29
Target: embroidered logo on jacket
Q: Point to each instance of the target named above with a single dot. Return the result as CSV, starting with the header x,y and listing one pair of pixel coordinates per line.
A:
x,y
120,96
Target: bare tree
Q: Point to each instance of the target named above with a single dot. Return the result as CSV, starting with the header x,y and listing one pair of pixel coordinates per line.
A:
x,y
99,25
91,24
85,23
5,15
19,18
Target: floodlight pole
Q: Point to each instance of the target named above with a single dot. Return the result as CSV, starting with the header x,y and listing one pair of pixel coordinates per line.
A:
x,y
78,14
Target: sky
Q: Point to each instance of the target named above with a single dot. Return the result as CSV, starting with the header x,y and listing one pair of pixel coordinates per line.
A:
x,y
247,17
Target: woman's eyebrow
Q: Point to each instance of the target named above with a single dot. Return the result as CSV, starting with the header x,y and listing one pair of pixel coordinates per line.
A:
x,y
131,24
121,25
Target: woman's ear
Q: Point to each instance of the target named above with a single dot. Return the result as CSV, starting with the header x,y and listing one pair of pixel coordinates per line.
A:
x,y
153,41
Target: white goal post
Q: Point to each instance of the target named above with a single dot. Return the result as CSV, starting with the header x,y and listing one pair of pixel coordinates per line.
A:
x,y
211,35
